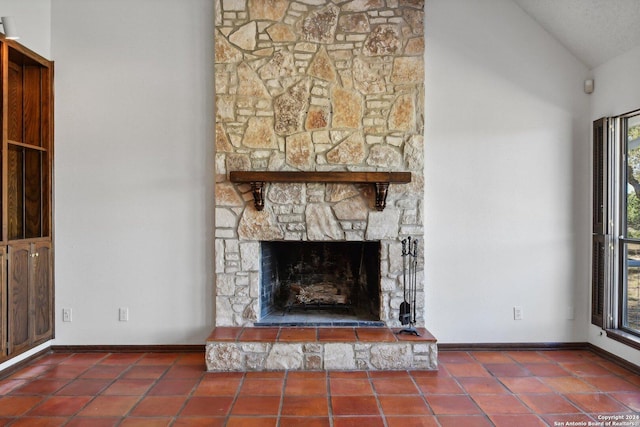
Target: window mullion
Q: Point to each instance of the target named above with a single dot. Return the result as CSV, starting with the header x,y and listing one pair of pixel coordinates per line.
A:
x,y
615,236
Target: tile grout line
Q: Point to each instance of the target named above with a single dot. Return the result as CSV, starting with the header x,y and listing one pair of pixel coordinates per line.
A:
x,y
285,378
28,381
560,394
329,395
556,392
235,398
77,378
124,417
47,396
375,395
186,401
422,394
100,393
466,393
514,395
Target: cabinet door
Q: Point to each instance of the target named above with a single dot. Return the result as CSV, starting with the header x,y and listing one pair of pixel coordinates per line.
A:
x,y
41,291
18,298
3,301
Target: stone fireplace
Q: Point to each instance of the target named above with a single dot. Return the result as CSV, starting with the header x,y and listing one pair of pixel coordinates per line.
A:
x,y
315,85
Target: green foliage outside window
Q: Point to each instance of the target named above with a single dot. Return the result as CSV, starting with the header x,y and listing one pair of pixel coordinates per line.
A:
x,y
633,179
633,216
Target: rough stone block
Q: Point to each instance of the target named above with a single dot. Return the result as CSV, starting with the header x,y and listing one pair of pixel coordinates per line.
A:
x,y
237,5
255,347
422,348
250,255
255,361
391,356
322,224
383,225
339,356
224,312
312,362
285,356
425,362
363,365
312,348
223,357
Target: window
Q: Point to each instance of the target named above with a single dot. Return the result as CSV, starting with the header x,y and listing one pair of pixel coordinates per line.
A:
x,y
616,227
630,237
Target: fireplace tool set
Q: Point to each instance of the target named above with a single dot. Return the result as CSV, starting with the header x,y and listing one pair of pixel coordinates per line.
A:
x,y
409,286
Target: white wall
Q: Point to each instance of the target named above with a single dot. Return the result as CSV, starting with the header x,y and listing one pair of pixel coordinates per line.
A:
x,y
507,178
32,19
133,170
617,91
617,87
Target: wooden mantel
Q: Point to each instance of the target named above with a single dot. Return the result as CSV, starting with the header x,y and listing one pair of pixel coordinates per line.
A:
x,y
381,180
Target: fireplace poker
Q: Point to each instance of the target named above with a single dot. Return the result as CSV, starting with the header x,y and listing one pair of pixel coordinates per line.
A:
x,y
415,278
405,307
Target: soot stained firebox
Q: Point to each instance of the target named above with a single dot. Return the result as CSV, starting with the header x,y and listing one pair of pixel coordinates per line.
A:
x,y
317,283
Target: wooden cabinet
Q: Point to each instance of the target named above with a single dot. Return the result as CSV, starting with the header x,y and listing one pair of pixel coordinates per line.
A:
x,y
3,301
30,295
26,251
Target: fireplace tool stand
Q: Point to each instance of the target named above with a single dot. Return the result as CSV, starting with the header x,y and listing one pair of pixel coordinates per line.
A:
x,y
409,286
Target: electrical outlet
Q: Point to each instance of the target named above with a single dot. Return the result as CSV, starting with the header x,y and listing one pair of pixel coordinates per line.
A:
x,y
517,313
66,315
123,314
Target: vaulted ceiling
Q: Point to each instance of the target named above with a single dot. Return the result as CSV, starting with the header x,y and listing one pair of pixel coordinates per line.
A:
x,y
594,31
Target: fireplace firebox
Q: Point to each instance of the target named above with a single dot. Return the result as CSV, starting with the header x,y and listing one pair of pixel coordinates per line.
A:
x,y
320,283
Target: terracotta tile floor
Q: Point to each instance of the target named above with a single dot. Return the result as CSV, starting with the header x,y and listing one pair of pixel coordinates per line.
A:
x,y
482,388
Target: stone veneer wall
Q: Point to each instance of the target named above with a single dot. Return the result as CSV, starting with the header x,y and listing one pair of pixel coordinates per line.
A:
x,y
315,85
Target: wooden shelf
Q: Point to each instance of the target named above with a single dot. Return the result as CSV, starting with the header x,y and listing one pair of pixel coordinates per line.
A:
x,y
381,180
29,146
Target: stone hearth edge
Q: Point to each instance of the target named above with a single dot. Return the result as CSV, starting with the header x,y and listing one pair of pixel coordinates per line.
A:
x,y
227,351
